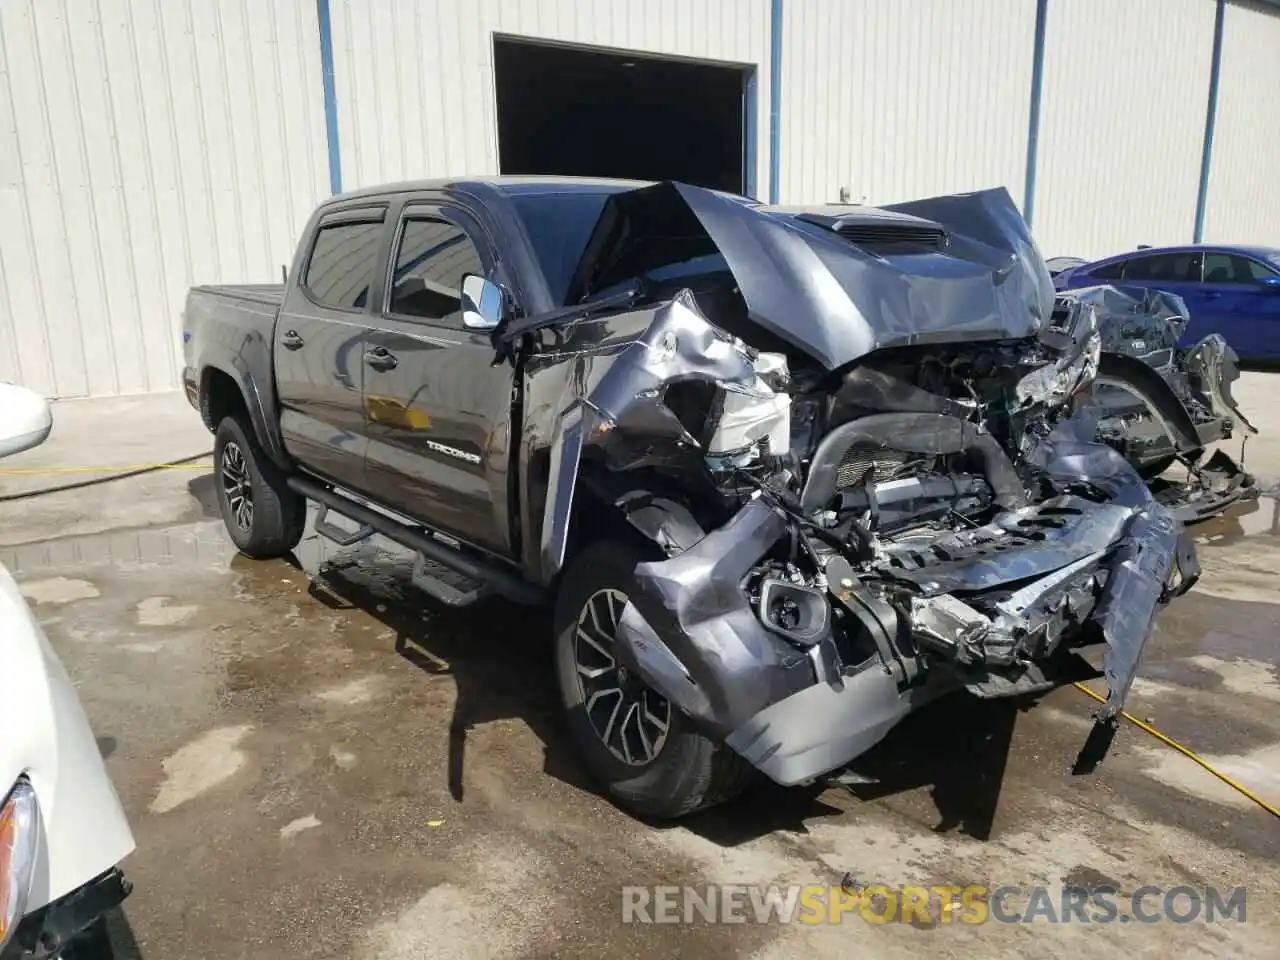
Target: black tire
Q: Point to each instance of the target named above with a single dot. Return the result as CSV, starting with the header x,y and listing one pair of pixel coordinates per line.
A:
x,y
275,516
688,771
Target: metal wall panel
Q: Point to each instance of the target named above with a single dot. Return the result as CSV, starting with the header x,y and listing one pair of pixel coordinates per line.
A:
x,y
145,146
1244,186
1126,86
415,84
906,99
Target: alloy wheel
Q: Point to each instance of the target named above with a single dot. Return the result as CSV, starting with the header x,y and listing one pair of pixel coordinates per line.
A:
x,y
236,486
630,719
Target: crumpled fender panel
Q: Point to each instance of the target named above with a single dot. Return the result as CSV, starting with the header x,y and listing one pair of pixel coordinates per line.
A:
x,y
612,401
1216,365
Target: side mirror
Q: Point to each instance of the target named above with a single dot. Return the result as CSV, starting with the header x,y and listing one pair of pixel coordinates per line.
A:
x,y
481,303
1271,280
25,419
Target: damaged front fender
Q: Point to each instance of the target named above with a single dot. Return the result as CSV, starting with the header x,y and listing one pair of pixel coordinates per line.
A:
x,y
617,405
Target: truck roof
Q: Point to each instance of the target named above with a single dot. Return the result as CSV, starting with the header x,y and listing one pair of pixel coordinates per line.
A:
x,y
519,185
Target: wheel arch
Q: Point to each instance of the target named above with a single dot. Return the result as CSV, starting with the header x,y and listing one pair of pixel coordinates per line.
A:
x,y
226,392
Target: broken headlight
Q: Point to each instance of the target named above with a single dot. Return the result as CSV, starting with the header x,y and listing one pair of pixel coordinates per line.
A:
x,y
1055,383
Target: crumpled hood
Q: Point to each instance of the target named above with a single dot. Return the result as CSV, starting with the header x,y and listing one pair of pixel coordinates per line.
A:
x,y
812,277
45,736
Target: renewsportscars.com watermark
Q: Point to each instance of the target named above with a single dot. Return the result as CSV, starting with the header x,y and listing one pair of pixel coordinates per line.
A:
x,y
929,906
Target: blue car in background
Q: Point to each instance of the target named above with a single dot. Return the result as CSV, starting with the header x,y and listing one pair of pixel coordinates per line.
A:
x,y
1231,290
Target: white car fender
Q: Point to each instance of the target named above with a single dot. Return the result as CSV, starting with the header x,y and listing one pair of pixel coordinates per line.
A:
x,y
45,736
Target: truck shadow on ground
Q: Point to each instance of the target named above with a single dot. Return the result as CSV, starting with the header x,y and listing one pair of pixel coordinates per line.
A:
x,y
498,654
204,490
500,658
956,749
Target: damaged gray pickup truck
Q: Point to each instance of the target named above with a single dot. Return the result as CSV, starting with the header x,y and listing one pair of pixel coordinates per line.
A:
x,y
786,474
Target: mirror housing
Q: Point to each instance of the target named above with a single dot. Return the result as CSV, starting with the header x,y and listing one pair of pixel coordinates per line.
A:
x,y
1272,281
481,303
25,419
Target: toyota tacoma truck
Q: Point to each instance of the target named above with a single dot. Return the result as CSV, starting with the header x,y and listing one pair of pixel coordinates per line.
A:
x,y
784,474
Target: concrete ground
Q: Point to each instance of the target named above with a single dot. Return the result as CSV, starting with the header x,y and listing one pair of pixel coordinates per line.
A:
x,y
319,761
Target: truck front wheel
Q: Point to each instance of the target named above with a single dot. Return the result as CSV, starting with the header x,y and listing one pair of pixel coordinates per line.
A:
x,y
642,750
263,516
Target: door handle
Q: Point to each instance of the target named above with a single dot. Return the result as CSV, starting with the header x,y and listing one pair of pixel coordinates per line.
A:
x,y
380,358
291,341
1212,294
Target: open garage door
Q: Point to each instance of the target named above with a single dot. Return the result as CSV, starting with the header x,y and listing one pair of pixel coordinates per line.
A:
x,y
580,112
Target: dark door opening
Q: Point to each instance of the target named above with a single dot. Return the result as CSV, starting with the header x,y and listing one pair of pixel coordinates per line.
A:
x,y
577,112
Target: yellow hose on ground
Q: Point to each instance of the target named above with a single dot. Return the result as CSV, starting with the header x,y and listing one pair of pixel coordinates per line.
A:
x,y
55,471
1190,754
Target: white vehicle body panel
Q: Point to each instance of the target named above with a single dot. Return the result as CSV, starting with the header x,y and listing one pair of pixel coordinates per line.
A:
x,y
44,733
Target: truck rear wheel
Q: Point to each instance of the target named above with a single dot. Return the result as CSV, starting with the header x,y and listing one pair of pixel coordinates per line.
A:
x,y
643,751
263,516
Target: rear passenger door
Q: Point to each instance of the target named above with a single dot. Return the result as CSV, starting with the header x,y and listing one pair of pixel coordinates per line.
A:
x,y
319,341
1177,272
438,410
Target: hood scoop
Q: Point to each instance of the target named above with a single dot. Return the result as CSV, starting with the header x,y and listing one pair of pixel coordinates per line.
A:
x,y
882,235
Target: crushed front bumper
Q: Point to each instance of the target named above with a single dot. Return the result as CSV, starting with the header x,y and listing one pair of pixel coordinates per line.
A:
x,y
799,711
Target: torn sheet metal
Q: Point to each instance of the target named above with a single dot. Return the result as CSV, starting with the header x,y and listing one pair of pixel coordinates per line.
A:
x,y
616,401
1215,365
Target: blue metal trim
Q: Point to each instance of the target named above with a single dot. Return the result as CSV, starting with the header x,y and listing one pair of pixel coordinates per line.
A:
x,y
1210,120
1033,125
750,146
775,99
330,96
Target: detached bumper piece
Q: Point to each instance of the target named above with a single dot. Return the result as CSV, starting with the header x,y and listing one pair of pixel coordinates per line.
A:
x,y
1208,491
50,929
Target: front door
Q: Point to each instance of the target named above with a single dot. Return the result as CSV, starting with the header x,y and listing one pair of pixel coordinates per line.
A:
x,y
1246,308
319,338
437,409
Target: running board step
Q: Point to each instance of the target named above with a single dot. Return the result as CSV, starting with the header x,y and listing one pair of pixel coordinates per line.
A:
x,y
467,568
448,586
332,531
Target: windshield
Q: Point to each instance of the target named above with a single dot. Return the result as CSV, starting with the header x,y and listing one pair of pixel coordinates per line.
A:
x,y
559,225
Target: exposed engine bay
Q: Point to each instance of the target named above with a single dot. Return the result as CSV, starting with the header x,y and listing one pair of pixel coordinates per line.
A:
x,y
857,520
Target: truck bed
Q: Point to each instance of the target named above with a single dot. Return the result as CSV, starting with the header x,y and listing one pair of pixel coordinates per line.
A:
x,y
271,294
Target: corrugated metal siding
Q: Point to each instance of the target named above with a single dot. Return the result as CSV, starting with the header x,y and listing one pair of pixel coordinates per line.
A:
x,y
145,146
1126,86
415,81
1244,180
906,99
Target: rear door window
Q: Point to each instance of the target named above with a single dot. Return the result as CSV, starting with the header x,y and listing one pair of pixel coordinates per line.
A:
x,y
1164,268
1108,271
343,261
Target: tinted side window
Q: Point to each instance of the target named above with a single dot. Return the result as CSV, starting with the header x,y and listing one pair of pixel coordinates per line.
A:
x,y
342,264
433,257
1229,268
1111,271
1165,267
